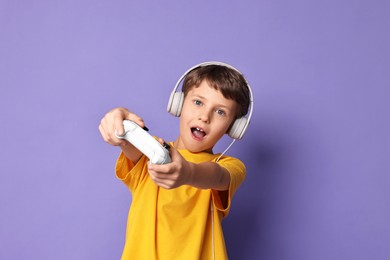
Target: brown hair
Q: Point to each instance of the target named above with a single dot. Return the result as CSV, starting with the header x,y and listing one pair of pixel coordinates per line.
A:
x,y
228,81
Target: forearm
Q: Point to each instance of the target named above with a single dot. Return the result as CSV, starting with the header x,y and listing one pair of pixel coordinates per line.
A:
x,y
132,153
209,175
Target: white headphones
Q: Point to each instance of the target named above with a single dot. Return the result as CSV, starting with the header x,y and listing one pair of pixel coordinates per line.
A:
x,y
176,99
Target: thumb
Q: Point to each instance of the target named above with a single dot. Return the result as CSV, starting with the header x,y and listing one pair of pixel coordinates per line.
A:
x,y
167,146
174,153
119,128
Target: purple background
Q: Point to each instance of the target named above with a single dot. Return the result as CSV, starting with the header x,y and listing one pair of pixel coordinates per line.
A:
x,y
317,150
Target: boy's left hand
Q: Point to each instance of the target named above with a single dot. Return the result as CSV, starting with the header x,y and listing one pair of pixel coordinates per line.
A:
x,y
171,175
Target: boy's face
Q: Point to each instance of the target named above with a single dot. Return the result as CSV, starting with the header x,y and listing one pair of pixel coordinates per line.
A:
x,y
205,117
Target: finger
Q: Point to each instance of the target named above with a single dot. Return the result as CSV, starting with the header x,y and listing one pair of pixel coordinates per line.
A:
x,y
164,144
166,183
163,184
159,170
161,141
155,177
104,129
135,118
106,123
107,138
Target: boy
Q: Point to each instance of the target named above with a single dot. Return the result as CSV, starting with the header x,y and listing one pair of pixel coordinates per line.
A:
x,y
177,208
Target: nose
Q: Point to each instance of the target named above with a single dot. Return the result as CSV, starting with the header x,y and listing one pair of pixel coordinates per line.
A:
x,y
204,115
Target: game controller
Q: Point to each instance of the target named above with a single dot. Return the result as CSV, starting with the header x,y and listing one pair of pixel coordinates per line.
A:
x,y
145,143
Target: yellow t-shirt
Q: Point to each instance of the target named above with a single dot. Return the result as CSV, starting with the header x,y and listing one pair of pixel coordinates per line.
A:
x,y
179,223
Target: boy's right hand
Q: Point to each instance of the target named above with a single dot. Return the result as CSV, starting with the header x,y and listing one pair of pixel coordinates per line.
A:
x,y
112,121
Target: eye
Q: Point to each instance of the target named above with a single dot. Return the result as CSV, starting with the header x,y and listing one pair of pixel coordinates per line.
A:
x,y
197,102
220,112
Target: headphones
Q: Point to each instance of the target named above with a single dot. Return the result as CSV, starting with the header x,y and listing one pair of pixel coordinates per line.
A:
x,y
176,99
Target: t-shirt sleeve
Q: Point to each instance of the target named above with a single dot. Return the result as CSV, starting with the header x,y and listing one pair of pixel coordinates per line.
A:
x,y
129,173
237,172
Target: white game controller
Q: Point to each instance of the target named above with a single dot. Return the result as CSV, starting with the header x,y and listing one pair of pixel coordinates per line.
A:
x,y
143,141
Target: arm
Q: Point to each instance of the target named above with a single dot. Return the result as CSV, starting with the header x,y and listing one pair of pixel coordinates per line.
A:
x,y
113,121
208,175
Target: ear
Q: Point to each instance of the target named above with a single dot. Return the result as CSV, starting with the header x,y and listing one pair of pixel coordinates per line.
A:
x,y
238,128
175,103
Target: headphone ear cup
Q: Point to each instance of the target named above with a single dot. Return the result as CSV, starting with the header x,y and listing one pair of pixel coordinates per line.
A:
x,y
238,128
175,103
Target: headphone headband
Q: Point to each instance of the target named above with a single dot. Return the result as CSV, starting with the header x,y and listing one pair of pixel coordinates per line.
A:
x,y
240,125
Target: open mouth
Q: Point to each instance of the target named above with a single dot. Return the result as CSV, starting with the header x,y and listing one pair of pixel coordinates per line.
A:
x,y
198,133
